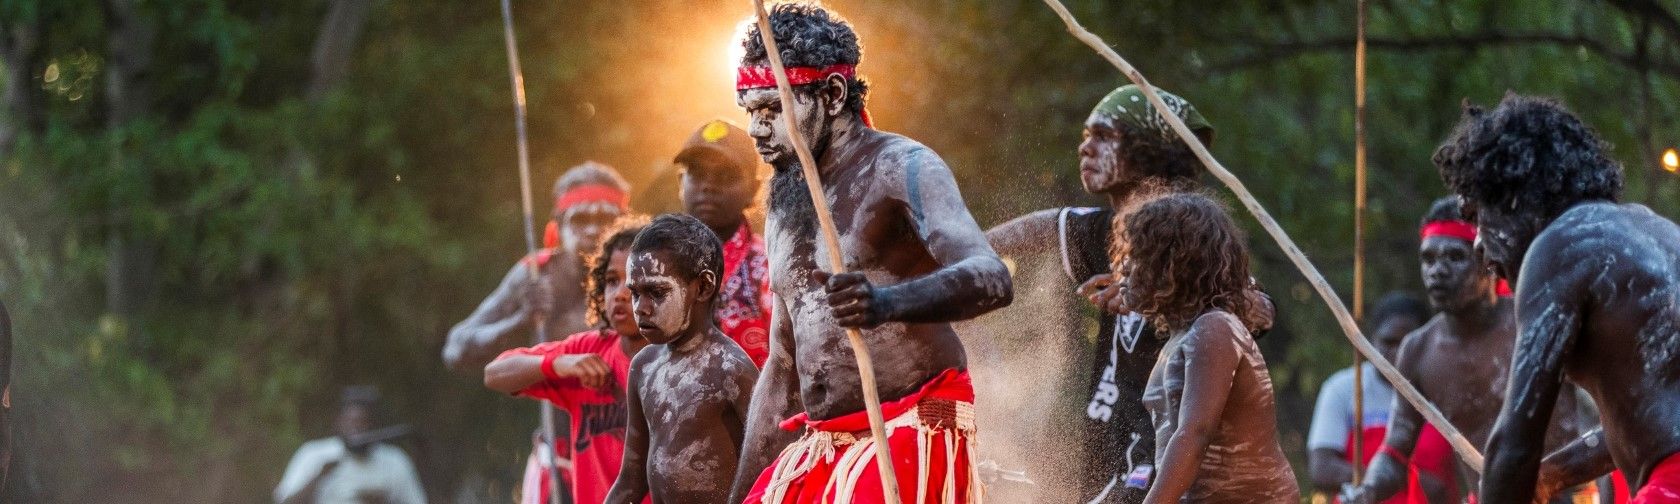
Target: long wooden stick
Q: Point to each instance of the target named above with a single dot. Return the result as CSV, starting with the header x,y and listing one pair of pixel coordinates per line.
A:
x,y
517,76
1462,445
1359,237
808,164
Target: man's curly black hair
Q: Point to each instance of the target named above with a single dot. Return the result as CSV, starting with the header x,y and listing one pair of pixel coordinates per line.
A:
x,y
1443,209
809,36
1528,153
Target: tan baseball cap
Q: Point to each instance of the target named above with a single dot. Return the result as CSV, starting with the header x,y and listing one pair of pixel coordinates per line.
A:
x,y
723,140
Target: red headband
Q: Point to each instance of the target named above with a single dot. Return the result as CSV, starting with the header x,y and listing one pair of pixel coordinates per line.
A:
x,y
760,77
593,193
1463,231
1449,228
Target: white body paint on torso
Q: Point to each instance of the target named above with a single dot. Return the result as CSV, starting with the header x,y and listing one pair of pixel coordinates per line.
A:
x,y
686,392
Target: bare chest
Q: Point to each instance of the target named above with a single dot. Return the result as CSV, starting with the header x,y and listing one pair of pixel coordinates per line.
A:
x,y
1466,380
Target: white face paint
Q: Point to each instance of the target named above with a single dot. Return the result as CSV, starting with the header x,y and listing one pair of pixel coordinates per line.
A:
x,y
659,299
1099,155
581,226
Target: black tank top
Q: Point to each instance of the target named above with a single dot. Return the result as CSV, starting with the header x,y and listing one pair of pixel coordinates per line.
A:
x,y
1118,435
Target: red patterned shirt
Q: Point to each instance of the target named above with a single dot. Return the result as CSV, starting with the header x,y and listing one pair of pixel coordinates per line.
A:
x,y
743,310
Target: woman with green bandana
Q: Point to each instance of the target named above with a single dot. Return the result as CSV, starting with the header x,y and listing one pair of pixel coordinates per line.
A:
x,y
1128,151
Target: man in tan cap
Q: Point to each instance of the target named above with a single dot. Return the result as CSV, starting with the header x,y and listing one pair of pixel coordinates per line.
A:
x,y
720,180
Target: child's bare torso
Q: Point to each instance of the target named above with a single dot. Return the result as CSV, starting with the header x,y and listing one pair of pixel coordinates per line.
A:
x,y
692,400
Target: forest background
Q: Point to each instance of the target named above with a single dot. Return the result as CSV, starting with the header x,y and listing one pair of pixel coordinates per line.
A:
x,y
215,213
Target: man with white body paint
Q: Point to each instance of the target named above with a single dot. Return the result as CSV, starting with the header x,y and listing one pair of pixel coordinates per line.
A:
x,y
1459,359
688,394
1598,299
918,262
588,198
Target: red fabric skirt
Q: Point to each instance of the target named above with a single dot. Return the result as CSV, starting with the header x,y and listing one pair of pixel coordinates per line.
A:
x,y
1663,487
931,433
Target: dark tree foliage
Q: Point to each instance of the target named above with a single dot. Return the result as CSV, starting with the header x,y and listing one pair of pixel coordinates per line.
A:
x,y
214,213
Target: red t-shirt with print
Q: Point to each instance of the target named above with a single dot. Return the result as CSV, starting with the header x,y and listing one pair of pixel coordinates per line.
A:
x,y
597,416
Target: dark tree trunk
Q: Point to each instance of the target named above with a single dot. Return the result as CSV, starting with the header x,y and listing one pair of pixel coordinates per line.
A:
x,y
335,44
130,267
18,41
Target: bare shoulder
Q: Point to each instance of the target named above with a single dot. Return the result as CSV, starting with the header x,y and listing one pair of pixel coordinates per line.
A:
x,y
902,161
1415,346
1033,220
733,360
1601,233
1216,326
1600,228
649,355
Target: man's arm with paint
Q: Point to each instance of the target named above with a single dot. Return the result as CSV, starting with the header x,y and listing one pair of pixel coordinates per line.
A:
x,y
971,279
774,398
1549,295
1578,462
1210,361
632,484
1030,234
1389,469
473,342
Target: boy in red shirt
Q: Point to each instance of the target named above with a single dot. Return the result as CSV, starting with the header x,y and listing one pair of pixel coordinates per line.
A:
x,y
585,373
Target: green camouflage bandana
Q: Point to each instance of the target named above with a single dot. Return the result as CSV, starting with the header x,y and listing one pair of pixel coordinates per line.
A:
x,y
1127,104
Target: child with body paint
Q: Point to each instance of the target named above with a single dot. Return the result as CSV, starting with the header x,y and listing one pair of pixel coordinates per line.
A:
x,y
1185,269
584,374
688,394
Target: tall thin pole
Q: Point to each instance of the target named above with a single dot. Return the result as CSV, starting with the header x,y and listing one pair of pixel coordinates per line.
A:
x,y
517,77
813,182
1359,240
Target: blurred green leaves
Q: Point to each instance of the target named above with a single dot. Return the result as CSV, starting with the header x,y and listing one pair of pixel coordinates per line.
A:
x,y
298,243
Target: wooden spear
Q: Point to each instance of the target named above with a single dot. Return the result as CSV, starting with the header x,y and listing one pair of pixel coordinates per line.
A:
x,y
1359,238
1462,445
517,76
808,164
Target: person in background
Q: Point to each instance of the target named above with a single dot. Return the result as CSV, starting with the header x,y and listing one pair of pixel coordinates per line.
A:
x,y
1127,154
588,198
720,178
352,466
1330,440
1459,360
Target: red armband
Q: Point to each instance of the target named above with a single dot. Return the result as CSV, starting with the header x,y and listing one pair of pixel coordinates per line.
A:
x,y
548,365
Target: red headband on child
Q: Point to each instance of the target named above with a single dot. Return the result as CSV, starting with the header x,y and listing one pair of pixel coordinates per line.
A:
x,y
760,77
